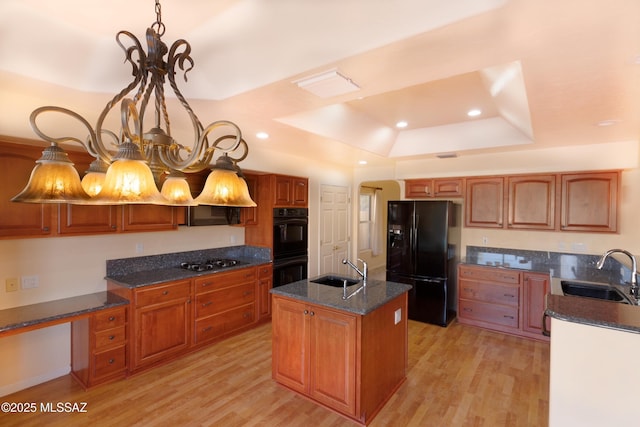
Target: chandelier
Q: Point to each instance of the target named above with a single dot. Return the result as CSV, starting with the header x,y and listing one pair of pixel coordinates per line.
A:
x,y
131,164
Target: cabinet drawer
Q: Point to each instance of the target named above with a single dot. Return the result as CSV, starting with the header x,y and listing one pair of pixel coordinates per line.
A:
x,y
216,325
488,292
265,271
110,337
224,299
163,293
223,280
490,274
110,318
504,315
110,361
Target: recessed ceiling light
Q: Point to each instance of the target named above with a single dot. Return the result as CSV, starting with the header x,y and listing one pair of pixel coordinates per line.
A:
x,y
401,124
474,112
362,162
262,135
610,122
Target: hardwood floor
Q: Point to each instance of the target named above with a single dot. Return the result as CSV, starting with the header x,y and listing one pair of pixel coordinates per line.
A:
x,y
457,376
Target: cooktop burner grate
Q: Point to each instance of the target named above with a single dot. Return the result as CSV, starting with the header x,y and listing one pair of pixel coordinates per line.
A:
x,y
212,264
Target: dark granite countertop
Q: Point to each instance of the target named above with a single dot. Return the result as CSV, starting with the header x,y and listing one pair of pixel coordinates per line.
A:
x,y
376,294
153,277
52,312
153,269
588,311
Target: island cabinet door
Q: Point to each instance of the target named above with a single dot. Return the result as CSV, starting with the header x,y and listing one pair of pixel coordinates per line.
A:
x,y
333,364
290,343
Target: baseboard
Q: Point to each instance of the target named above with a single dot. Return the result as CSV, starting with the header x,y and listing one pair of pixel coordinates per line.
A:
x,y
30,382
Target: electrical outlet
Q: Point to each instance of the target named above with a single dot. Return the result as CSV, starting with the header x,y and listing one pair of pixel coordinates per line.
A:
x,y
11,285
398,316
29,282
485,240
139,248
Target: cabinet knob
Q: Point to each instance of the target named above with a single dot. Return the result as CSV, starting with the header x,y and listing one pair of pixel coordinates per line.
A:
x,y
165,293
207,329
312,314
112,337
112,361
112,318
306,312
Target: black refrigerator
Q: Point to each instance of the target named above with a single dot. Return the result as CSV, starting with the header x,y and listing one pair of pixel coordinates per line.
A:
x,y
423,243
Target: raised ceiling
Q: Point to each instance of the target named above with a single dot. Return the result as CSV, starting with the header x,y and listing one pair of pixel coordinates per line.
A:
x,y
543,73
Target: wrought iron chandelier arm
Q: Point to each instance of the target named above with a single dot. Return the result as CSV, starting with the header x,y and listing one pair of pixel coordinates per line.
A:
x,y
56,140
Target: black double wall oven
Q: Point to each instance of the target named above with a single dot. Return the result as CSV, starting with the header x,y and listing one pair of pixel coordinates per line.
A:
x,y
290,245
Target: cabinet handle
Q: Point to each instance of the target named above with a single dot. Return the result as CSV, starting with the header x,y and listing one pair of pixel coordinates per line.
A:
x,y
510,296
246,293
207,329
165,293
207,304
206,284
467,289
112,337
112,318
246,315
45,228
468,310
111,361
508,317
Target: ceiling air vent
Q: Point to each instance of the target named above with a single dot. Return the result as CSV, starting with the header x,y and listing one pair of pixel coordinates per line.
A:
x,y
327,84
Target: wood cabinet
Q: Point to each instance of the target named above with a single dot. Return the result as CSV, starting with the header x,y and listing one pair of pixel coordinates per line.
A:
x,y
347,362
535,287
589,201
99,347
21,220
161,322
290,191
249,216
531,202
224,303
500,299
484,202
173,318
265,283
585,201
436,187
320,356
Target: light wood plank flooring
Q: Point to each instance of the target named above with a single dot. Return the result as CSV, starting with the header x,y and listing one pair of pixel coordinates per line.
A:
x,y
458,376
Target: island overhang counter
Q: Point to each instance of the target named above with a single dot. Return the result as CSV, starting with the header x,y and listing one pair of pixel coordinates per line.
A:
x,y
347,355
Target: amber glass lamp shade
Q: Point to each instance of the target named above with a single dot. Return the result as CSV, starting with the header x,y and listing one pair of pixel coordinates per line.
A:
x,y
224,187
53,180
129,180
176,190
93,179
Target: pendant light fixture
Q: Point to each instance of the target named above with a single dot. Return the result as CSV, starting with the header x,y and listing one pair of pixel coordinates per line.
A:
x,y
144,161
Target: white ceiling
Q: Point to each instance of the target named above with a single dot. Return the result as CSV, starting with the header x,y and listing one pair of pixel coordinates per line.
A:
x,y
543,72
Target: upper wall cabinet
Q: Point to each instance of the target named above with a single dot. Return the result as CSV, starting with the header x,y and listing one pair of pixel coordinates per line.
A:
x,y
531,202
590,201
290,191
484,202
584,201
437,187
20,220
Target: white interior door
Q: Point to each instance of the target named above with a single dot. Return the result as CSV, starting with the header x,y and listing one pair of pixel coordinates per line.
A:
x,y
334,228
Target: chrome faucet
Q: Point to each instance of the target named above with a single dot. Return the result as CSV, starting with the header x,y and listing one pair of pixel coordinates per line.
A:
x,y
365,269
634,267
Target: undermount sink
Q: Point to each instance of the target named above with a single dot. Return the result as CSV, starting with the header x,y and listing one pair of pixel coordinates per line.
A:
x,y
333,280
591,290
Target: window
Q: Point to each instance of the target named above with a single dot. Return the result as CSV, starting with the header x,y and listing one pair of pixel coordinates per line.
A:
x,y
366,219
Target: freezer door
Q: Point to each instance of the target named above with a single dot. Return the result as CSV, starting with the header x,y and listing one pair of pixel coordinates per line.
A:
x,y
400,237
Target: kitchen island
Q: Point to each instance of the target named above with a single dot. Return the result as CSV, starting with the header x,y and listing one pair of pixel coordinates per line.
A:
x,y
346,355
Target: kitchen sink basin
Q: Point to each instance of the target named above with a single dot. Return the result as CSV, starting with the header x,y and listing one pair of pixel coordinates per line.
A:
x,y
336,281
591,290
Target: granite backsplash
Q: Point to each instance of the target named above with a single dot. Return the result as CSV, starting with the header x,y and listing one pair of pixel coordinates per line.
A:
x,y
123,266
562,265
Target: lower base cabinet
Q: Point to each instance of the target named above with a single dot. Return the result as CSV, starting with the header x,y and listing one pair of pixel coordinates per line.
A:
x,y
501,299
347,362
99,347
